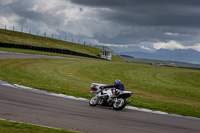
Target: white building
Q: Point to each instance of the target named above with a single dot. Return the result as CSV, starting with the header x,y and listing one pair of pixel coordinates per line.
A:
x,y
106,55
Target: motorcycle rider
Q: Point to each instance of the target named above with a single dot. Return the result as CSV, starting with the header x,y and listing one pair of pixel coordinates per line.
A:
x,y
117,85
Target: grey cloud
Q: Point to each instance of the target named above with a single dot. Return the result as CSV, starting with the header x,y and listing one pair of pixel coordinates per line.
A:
x,y
148,20
149,12
136,3
23,10
117,21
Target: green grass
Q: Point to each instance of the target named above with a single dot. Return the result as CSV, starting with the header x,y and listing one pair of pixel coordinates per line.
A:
x,y
173,90
14,127
14,37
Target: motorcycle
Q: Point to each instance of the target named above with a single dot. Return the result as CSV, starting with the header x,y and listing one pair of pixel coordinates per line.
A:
x,y
109,97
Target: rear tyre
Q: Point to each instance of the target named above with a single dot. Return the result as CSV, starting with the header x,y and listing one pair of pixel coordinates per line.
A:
x,y
94,101
119,104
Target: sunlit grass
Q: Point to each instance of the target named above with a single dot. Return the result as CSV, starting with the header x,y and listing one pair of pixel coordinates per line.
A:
x,y
14,127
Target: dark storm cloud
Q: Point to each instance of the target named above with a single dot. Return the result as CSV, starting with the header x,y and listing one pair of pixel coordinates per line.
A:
x,y
150,20
124,3
149,12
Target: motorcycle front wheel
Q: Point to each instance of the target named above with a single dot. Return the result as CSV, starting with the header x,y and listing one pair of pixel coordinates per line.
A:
x,y
94,101
119,104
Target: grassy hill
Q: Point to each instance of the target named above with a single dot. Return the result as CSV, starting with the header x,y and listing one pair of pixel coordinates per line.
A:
x,y
168,89
7,36
33,40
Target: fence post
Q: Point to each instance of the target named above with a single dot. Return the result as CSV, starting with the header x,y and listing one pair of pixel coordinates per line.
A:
x,y
52,35
30,31
78,41
84,42
44,34
22,29
13,28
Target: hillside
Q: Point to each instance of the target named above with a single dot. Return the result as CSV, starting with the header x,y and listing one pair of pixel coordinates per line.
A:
x,y
14,37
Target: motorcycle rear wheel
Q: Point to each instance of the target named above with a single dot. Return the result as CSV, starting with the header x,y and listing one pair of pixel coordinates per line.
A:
x,y
94,101
119,104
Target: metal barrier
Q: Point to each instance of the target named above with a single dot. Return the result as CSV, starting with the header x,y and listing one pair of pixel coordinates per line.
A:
x,y
45,49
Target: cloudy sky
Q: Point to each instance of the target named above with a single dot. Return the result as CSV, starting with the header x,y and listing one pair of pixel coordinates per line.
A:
x,y
124,25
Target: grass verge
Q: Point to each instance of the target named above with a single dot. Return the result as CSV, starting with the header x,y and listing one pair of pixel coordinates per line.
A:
x,y
14,37
15,127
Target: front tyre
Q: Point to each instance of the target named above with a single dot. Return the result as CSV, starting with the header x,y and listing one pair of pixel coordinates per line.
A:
x,y
119,104
94,101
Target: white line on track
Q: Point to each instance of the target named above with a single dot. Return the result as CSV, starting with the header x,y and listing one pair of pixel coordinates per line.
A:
x,y
42,56
3,52
86,100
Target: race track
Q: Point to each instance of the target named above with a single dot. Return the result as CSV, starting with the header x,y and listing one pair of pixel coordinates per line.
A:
x,y
10,55
36,108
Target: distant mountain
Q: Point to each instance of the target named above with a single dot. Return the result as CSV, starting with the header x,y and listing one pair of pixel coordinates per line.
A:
x,y
189,55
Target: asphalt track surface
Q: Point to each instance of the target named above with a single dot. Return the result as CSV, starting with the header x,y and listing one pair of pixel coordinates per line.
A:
x,y
10,55
32,107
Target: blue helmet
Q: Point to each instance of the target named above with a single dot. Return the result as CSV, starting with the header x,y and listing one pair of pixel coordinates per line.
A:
x,y
117,81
